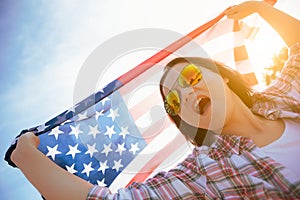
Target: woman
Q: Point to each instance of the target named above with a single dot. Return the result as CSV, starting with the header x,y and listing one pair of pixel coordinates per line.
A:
x,y
238,164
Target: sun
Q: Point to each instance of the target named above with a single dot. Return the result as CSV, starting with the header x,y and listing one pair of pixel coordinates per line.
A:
x,y
261,50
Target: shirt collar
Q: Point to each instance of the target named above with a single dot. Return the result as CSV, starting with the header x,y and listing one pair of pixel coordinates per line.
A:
x,y
226,145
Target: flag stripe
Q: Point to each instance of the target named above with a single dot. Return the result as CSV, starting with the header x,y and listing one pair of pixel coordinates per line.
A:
x,y
250,79
175,157
150,151
223,28
223,42
240,53
241,58
249,32
160,156
155,129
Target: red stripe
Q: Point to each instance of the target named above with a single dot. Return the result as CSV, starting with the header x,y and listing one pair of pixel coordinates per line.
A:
x,y
223,28
144,106
142,79
236,26
272,2
156,129
240,53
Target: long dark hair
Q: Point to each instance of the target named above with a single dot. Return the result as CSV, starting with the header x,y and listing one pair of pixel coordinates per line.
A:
x,y
235,82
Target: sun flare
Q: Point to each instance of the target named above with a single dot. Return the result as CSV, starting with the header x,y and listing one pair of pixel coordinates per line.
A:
x,y
261,50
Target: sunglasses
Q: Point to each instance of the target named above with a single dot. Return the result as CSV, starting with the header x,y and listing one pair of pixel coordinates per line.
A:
x,y
189,76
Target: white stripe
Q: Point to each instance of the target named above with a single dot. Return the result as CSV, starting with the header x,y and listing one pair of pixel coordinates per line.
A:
x,y
224,42
244,66
175,158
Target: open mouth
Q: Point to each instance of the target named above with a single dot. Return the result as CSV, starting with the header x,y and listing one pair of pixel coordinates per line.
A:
x,y
202,105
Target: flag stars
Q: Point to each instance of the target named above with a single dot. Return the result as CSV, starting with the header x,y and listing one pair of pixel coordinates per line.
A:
x,y
121,148
89,101
73,150
134,148
75,131
99,114
60,119
103,167
56,132
124,132
101,90
110,131
113,114
72,109
41,127
52,151
94,131
117,165
87,168
82,116
101,183
106,149
105,100
71,169
91,149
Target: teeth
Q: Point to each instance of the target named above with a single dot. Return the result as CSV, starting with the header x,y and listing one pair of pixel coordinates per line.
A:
x,y
198,101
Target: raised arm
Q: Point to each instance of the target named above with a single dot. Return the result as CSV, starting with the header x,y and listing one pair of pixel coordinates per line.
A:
x,y
286,26
51,181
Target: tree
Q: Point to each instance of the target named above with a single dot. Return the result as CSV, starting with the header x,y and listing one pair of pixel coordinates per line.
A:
x,y
271,72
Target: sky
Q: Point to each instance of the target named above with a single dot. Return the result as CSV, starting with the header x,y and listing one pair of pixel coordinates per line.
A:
x,y
45,43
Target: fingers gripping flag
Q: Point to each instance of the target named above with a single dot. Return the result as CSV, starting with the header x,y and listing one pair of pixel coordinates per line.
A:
x,y
101,140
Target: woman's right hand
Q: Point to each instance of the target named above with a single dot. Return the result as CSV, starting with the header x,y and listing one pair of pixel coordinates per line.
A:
x,y
52,181
285,25
25,141
244,9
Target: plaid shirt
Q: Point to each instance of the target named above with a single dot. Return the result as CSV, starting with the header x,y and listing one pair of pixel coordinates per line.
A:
x,y
282,98
233,167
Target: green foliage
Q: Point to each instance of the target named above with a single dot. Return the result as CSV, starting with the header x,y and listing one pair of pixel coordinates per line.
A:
x,y
271,72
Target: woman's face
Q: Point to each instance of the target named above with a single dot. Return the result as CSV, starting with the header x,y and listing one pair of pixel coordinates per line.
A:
x,y
206,104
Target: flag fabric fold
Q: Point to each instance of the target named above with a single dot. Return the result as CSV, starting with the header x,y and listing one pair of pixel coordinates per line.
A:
x,y
104,140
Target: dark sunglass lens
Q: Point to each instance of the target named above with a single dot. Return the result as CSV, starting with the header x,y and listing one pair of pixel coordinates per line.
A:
x,y
172,102
189,76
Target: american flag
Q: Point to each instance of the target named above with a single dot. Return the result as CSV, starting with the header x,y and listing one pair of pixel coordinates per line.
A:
x,y
121,133
108,138
97,144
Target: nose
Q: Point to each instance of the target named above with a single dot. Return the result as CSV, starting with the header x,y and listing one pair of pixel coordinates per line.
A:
x,y
186,94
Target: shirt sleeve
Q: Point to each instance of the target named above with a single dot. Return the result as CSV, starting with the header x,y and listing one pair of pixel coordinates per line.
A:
x,y
171,185
282,98
179,183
